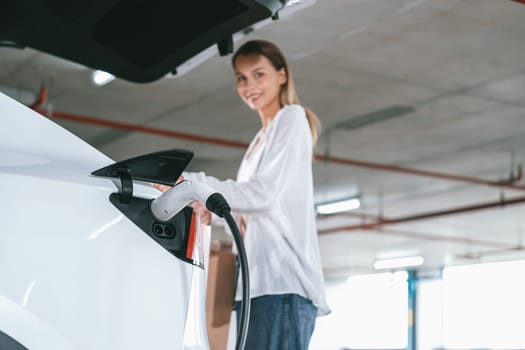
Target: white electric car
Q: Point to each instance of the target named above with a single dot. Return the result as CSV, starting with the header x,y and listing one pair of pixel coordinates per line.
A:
x,y
84,261
79,271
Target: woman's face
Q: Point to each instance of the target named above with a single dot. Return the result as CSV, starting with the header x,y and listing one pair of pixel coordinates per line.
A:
x,y
259,83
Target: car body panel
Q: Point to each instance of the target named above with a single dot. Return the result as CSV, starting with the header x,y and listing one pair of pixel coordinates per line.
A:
x,y
140,41
75,273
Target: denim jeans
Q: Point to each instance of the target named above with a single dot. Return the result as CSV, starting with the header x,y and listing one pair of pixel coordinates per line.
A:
x,y
279,322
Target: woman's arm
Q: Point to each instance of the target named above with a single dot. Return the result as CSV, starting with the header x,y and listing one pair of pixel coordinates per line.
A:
x,y
282,154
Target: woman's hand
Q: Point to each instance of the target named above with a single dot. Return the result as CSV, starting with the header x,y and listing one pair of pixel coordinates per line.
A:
x,y
164,188
161,188
205,214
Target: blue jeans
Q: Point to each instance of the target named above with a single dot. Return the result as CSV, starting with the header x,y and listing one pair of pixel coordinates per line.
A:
x,y
279,322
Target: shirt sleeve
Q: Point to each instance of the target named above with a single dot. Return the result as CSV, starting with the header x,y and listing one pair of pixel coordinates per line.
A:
x,y
282,152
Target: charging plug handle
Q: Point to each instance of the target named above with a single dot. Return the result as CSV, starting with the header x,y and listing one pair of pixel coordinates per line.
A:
x,y
217,204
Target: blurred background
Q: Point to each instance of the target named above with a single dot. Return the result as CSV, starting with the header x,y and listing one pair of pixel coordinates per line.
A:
x,y
422,104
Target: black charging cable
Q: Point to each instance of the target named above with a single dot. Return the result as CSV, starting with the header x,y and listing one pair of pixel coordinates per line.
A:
x,y
218,205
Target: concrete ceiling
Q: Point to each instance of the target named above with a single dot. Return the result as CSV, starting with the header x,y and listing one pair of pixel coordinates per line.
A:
x,y
428,96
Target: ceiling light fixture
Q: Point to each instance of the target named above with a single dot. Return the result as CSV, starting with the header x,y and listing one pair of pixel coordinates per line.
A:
x,y
293,2
398,262
101,78
338,206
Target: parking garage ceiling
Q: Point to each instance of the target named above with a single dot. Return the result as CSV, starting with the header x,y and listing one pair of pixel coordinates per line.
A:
x,y
423,110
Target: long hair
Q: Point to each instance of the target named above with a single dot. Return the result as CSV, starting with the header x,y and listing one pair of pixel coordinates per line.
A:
x,y
288,95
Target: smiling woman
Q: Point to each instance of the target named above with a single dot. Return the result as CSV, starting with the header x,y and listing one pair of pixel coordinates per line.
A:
x,y
259,65
272,198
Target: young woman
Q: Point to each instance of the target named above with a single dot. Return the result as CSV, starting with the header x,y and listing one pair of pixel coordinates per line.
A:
x,y
272,198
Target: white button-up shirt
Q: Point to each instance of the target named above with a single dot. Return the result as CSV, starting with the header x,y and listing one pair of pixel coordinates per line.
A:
x,y
274,192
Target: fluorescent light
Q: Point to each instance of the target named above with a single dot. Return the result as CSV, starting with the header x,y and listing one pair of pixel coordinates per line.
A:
x,y
398,262
101,78
293,2
338,206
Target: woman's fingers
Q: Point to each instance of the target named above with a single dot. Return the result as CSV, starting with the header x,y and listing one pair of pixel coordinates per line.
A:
x,y
205,214
161,187
164,188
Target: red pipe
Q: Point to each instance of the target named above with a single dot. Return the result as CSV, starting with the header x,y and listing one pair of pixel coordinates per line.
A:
x,y
41,99
471,256
441,238
466,209
243,145
227,246
143,129
479,255
410,171
426,236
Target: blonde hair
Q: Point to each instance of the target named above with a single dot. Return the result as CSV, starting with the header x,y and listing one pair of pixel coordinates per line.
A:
x,y
288,94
